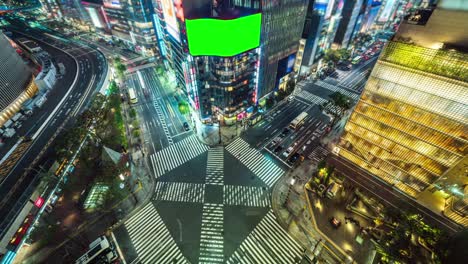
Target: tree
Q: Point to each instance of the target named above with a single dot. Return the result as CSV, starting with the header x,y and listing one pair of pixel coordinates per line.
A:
x,y
336,106
331,56
184,107
113,88
344,54
119,67
269,102
290,86
132,113
361,39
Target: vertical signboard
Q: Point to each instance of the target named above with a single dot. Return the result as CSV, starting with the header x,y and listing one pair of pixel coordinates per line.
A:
x,y
171,19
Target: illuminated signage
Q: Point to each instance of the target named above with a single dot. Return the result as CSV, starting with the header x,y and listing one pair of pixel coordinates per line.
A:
x,y
39,202
112,4
94,17
388,10
216,37
170,18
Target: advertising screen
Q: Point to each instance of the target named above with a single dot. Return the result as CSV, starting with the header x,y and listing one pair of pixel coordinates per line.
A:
x,y
170,18
225,38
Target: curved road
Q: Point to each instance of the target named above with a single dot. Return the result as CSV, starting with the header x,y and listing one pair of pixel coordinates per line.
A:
x,y
69,97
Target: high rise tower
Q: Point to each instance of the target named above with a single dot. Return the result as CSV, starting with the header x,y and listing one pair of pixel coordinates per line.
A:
x,y
410,126
226,86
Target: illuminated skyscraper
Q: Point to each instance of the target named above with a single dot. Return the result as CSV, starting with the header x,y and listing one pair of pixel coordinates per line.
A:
x,y
410,126
227,79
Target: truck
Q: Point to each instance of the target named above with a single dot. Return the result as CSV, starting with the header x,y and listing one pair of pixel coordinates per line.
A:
x,y
8,123
17,117
9,132
40,101
99,249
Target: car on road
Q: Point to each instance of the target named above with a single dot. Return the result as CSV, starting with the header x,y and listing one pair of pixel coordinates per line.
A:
x,y
294,159
335,222
278,149
285,132
186,126
291,98
288,152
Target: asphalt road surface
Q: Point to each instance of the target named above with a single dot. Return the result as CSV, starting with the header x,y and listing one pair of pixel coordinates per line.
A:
x,y
89,71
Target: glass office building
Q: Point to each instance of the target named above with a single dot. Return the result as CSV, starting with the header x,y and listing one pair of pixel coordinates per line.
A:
x,y
410,126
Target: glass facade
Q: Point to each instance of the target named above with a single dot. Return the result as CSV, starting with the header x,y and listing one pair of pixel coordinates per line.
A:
x,y
410,125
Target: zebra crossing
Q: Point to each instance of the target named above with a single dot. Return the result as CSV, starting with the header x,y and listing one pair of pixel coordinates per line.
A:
x,y
211,236
267,243
179,192
246,195
145,226
318,154
334,88
162,119
215,166
262,167
175,155
311,97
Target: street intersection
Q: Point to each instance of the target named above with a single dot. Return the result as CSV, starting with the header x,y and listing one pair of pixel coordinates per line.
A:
x,y
212,206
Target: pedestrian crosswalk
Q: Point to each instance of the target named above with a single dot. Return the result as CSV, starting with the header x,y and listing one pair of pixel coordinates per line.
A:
x,y
267,243
246,195
211,235
334,88
215,166
175,155
262,167
318,154
179,192
311,97
162,119
147,225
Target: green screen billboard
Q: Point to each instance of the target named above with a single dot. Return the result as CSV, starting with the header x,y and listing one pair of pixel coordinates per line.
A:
x,y
225,38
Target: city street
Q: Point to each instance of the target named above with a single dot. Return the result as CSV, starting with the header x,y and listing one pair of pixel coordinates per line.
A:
x,y
210,205
65,101
214,204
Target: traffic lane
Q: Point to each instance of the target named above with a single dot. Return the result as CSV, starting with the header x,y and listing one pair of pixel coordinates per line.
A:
x,y
388,194
165,99
272,124
149,114
295,142
30,125
34,151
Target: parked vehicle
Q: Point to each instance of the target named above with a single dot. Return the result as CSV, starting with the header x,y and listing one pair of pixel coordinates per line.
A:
x,y
335,222
332,190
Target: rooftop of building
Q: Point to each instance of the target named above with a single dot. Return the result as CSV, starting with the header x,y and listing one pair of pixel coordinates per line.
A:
x,y
436,29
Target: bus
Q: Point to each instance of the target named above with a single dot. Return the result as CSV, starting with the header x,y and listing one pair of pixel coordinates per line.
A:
x,y
298,121
99,249
132,96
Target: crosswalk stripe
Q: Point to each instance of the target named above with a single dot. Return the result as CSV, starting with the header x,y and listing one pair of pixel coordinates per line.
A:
x,y
246,195
179,192
211,235
215,166
267,243
334,88
262,167
177,154
318,154
142,228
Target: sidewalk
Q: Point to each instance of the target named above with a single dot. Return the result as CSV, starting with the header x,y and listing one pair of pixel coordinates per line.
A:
x,y
290,205
210,134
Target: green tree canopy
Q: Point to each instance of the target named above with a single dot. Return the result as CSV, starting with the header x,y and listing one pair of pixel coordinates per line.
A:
x,y
336,106
184,107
